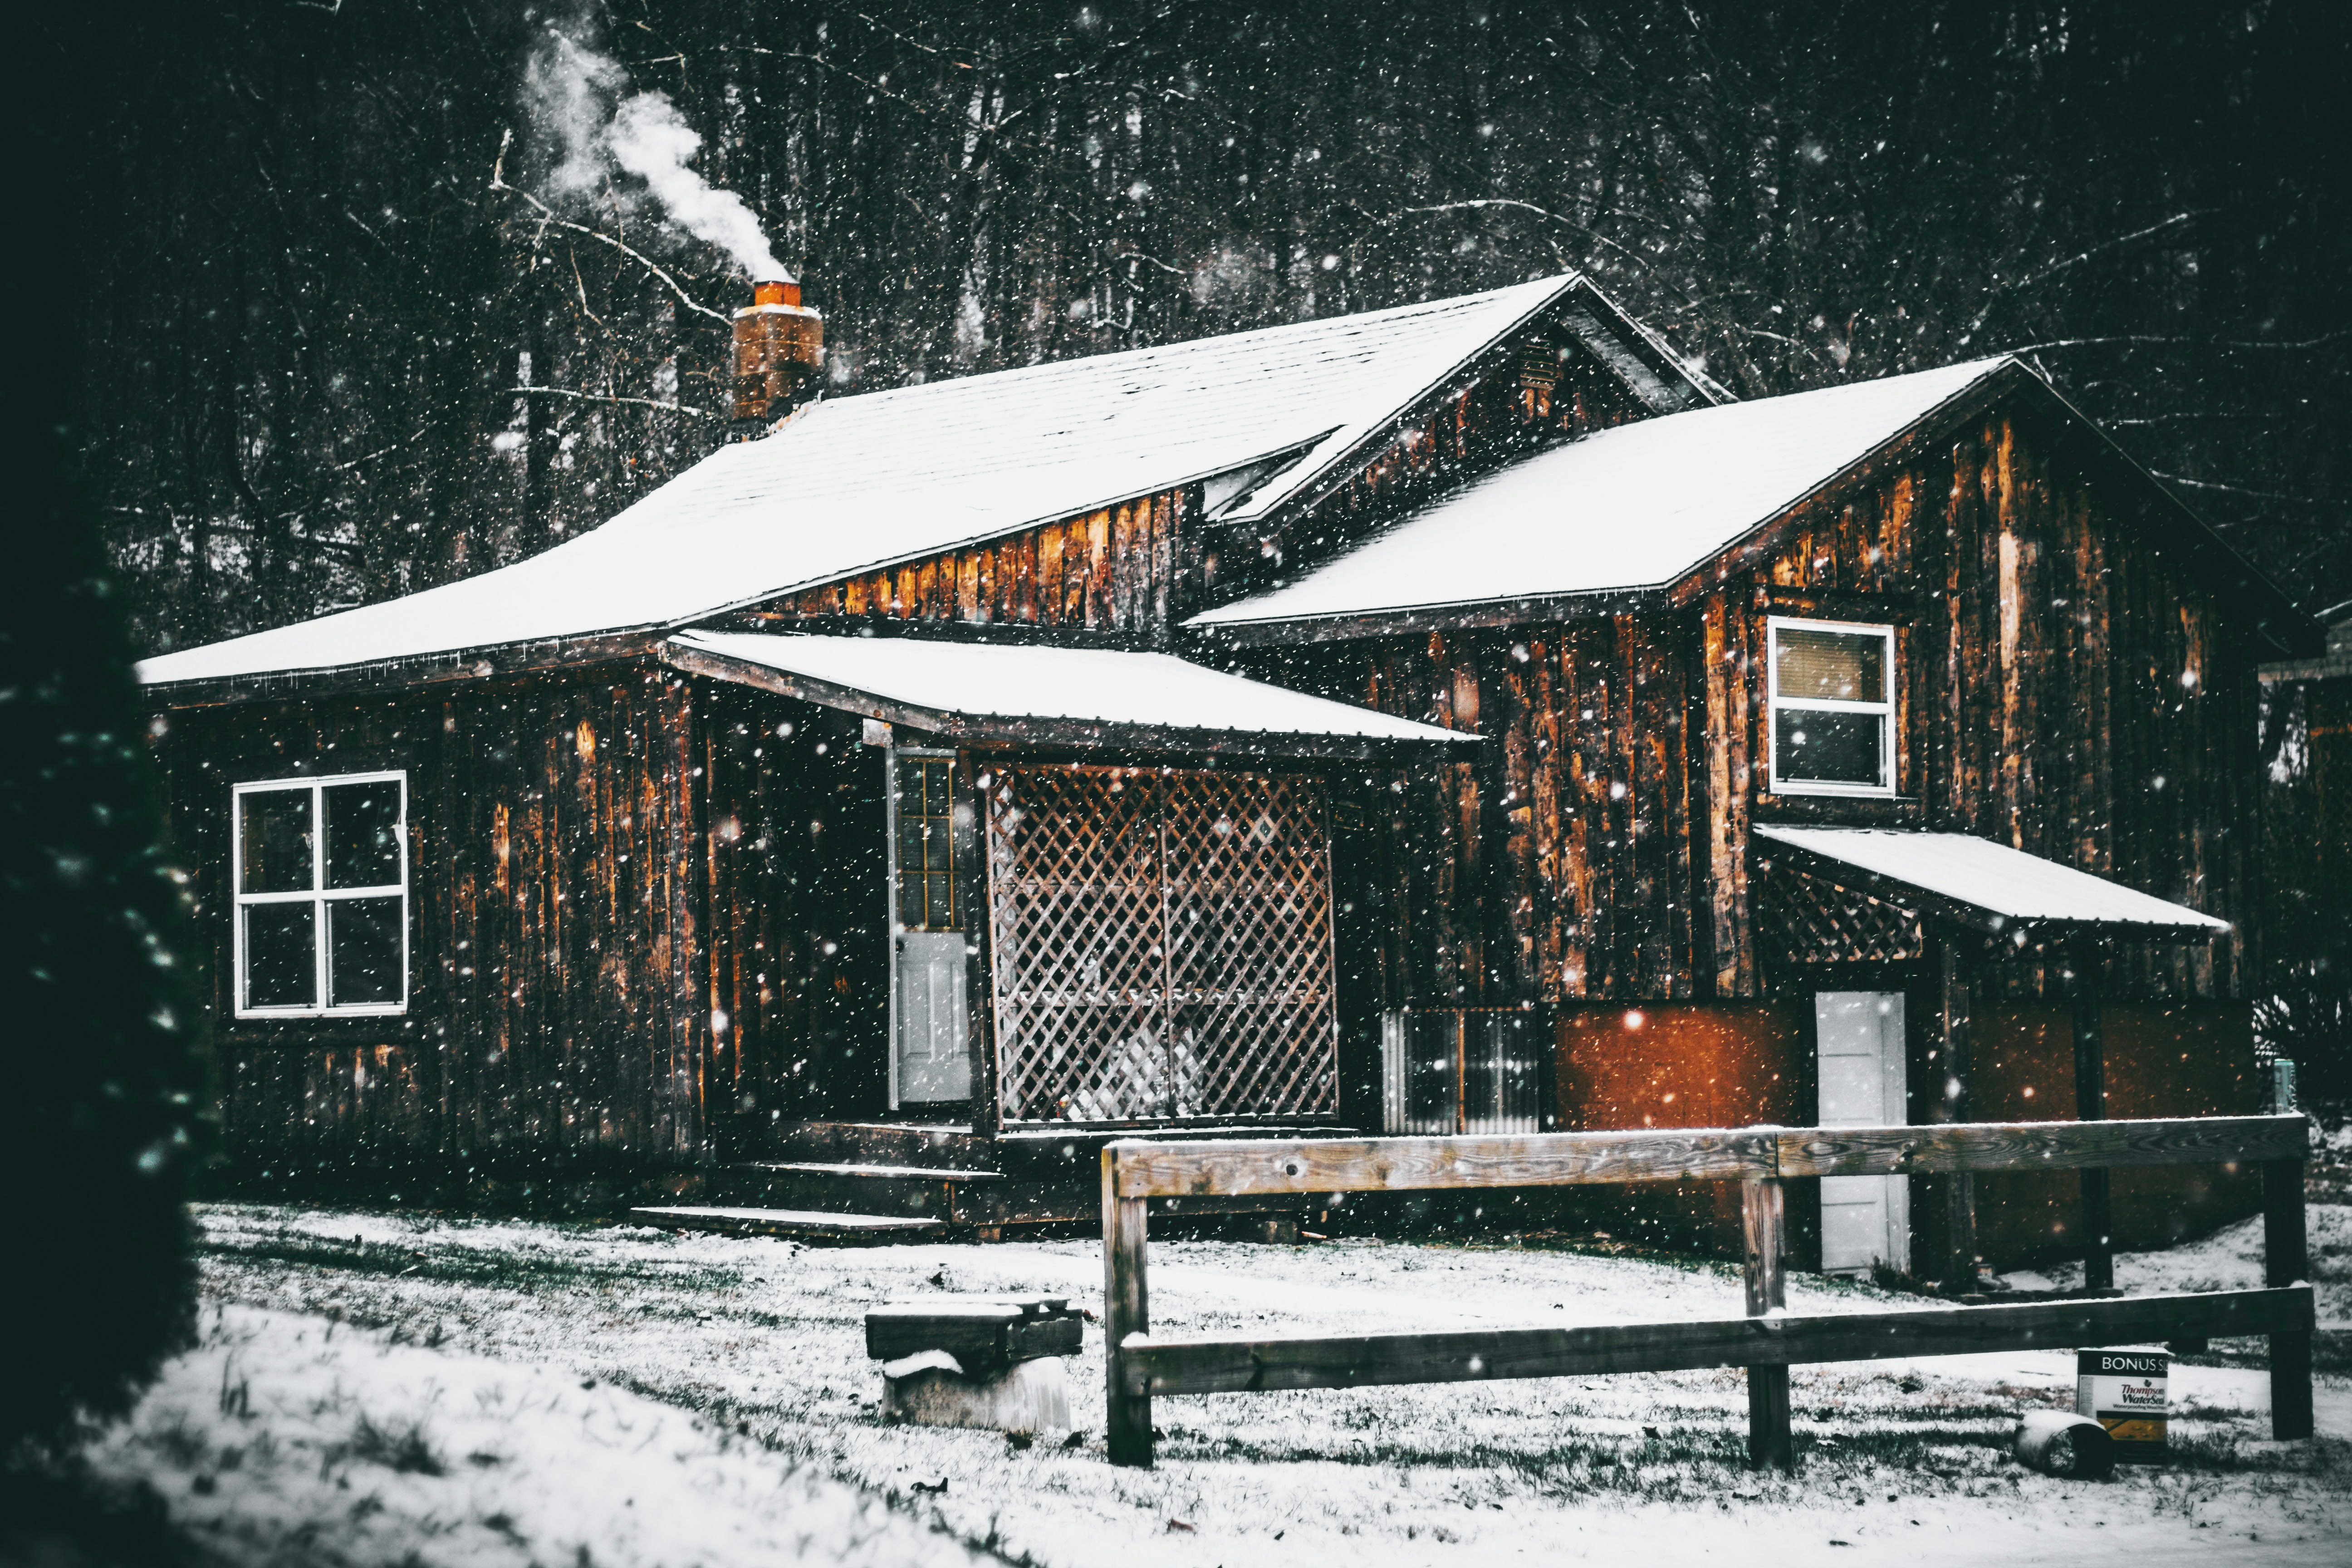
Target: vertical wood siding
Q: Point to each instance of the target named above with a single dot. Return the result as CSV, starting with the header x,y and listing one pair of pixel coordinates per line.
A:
x,y
1556,866
2072,688
645,917
556,964
799,952
1133,568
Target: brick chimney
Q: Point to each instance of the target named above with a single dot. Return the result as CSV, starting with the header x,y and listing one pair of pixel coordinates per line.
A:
x,y
779,349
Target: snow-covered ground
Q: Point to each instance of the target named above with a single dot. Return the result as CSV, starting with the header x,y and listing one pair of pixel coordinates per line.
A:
x,y
733,1416
287,1438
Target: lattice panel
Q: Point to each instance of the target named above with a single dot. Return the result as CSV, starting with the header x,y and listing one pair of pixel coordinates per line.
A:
x,y
1808,921
1161,945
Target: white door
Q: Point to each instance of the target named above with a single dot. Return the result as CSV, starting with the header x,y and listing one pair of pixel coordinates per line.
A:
x,y
933,1053
1864,1219
930,837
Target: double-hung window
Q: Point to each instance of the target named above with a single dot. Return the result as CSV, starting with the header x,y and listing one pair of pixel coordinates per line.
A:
x,y
322,884
1832,700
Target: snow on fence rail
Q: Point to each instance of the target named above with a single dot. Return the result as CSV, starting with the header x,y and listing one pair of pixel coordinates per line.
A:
x,y
1766,1341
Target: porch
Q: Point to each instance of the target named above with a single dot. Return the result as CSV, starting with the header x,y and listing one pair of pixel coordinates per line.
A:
x,y
1109,883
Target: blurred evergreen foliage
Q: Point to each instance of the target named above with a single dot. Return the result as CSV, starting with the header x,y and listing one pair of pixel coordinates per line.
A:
x,y
102,1113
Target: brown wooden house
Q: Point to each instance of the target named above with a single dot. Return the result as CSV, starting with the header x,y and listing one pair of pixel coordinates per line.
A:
x,y
1462,716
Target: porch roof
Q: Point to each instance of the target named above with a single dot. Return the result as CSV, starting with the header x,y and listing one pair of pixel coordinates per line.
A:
x,y
1987,886
1025,693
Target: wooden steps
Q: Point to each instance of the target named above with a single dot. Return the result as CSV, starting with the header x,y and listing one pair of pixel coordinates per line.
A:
x,y
873,1142
927,1191
798,1223
944,1176
880,1173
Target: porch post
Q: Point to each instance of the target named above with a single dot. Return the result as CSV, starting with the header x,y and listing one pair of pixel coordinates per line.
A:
x,y
972,851
1959,1268
2091,1105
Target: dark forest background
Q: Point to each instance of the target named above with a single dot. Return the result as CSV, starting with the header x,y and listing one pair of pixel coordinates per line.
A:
x,y
309,305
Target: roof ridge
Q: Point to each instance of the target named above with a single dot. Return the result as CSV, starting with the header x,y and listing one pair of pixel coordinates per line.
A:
x,y
1097,363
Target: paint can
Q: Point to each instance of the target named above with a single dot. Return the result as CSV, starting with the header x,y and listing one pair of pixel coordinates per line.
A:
x,y
2123,1388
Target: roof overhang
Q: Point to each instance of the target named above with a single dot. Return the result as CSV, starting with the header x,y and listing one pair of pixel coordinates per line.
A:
x,y
1021,694
423,672
1957,879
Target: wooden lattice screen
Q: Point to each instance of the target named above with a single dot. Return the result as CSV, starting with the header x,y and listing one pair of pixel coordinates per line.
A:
x,y
1161,945
1803,920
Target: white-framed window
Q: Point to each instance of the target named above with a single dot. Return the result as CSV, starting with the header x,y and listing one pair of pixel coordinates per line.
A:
x,y
320,876
1833,707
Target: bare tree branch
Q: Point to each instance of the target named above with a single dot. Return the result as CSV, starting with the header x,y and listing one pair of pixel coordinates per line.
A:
x,y
498,183
1998,292
2242,490
2198,342
611,398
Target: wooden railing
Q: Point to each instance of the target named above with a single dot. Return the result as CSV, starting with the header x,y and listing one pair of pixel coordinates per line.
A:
x,y
1766,1341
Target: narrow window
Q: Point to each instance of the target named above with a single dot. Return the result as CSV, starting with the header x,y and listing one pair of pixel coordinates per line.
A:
x,y
1832,700
321,881
927,872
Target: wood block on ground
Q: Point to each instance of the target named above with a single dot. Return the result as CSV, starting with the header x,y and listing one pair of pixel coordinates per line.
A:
x,y
982,1332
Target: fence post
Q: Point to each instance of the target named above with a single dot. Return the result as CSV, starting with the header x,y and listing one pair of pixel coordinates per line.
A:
x,y
2091,1105
2285,1262
1126,1310
1763,1211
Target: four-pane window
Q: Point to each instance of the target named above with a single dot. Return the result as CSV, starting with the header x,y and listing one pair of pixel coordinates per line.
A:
x,y
321,886
1832,700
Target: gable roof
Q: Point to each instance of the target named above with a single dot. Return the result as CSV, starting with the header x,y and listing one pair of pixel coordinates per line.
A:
x,y
1637,506
855,484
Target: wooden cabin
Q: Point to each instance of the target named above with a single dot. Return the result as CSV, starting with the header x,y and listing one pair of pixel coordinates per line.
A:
x,y
1458,716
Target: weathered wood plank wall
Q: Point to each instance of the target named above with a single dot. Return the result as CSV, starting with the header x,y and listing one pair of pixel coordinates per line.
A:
x,y
795,878
1557,865
1134,568
642,916
555,1004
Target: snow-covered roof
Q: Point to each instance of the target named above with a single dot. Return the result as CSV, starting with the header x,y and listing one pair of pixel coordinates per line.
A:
x,y
1994,879
854,484
1010,684
1633,506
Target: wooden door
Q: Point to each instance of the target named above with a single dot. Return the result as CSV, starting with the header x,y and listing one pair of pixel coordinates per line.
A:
x,y
1864,1219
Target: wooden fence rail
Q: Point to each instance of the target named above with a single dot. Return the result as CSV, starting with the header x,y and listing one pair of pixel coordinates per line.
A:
x,y
1766,1341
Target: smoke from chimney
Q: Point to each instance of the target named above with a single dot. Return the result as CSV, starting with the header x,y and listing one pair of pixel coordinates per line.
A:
x,y
651,140
570,91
